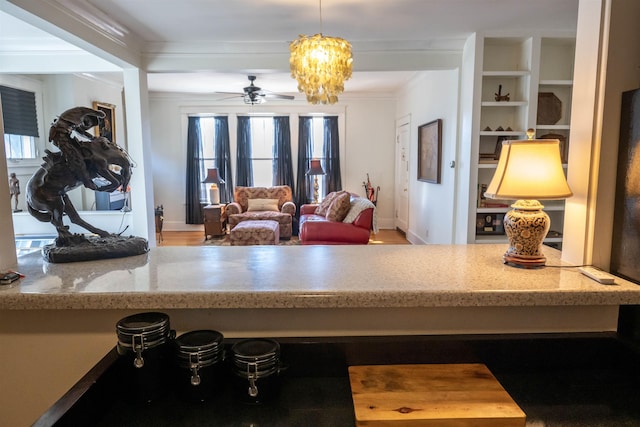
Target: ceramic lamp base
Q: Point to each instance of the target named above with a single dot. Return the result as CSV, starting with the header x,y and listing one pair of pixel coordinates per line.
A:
x,y
316,187
526,226
214,195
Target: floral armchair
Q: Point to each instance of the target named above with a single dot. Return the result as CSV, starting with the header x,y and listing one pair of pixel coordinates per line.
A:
x,y
262,203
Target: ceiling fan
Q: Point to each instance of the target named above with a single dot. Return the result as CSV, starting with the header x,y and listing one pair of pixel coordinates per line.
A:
x,y
253,94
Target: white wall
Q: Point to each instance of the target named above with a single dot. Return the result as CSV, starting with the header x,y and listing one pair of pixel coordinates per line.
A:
x,y
429,96
366,140
623,74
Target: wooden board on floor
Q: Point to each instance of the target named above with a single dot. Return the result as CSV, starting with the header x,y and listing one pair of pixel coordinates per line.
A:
x,y
431,395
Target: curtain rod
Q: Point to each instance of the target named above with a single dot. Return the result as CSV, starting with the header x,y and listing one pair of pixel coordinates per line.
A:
x,y
204,115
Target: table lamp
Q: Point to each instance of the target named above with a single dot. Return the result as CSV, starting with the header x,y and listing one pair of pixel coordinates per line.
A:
x,y
214,179
314,170
528,171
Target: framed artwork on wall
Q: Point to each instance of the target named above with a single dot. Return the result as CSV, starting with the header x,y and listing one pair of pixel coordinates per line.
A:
x,y
108,126
625,250
430,151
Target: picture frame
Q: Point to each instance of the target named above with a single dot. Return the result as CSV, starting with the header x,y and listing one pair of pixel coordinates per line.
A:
x,y
430,151
107,127
490,223
564,149
498,150
625,248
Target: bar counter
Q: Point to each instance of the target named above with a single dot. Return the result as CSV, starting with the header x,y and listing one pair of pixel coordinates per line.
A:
x,y
399,276
60,319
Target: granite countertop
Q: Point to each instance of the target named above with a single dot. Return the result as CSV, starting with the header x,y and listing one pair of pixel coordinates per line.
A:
x,y
307,277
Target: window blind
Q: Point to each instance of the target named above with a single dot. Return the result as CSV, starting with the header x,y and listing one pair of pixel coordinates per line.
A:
x,y
19,111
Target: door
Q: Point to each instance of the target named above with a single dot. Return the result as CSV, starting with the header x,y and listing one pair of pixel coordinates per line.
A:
x,y
403,134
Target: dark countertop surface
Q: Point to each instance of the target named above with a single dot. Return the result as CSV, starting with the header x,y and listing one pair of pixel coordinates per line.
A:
x,y
558,380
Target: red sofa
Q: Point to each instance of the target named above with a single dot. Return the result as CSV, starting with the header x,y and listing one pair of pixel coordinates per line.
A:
x,y
318,230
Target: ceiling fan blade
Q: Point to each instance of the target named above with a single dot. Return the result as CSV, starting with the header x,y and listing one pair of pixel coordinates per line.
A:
x,y
279,96
230,97
253,94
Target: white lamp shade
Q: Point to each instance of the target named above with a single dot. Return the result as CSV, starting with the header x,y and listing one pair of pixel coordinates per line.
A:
x,y
529,169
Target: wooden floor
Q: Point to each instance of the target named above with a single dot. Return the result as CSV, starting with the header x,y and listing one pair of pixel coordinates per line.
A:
x,y
196,238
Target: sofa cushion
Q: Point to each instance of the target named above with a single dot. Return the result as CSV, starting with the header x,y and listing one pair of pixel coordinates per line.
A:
x,y
324,205
262,205
339,207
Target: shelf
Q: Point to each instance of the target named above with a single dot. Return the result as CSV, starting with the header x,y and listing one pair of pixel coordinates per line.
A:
x,y
491,238
504,104
551,208
505,73
521,67
556,83
502,133
492,210
487,164
554,127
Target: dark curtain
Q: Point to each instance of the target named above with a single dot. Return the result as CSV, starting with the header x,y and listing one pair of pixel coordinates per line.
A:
x,y
304,187
331,146
244,169
223,159
282,162
194,180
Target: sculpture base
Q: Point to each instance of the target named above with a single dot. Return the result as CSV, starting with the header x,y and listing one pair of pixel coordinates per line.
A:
x,y
95,248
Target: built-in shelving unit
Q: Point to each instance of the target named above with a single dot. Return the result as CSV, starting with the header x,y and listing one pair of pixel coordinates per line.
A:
x,y
526,82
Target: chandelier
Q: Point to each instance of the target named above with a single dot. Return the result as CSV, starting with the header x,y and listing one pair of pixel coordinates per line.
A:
x,y
320,64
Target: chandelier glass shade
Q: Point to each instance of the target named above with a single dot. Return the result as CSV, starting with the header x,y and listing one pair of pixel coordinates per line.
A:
x,y
320,64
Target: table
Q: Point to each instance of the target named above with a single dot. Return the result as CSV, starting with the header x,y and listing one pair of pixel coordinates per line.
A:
x,y
215,221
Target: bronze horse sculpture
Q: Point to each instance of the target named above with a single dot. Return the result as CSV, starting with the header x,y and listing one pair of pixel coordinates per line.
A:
x,y
83,159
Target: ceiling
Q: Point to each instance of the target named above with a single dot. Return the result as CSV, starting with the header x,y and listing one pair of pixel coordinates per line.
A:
x,y
201,46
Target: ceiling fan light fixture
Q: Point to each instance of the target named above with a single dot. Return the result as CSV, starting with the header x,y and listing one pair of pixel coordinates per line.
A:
x,y
254,98
320,64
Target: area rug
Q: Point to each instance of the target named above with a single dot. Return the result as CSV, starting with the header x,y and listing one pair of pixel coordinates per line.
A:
x,y
224,241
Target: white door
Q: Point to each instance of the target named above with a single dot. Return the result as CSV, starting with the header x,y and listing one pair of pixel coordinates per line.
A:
x,y
403,134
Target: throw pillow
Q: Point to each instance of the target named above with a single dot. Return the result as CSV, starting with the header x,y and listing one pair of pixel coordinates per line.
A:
x,y
262,205
323,207
339,207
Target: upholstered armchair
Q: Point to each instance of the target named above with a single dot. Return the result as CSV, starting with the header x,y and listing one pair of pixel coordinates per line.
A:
x,y
263,203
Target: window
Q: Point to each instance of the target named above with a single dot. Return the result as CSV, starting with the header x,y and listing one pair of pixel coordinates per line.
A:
x,y
317,150
20,123
207,158
19,147
262,149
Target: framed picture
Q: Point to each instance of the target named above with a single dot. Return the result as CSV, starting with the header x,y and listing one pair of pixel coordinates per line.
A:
x,y
625,250
498,149
564,151
108,126
490,223
430,151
